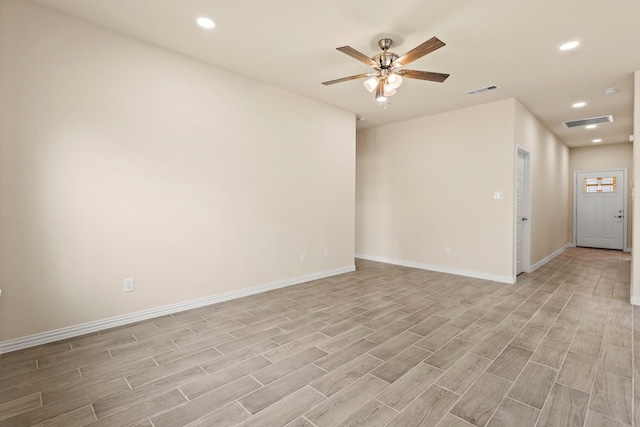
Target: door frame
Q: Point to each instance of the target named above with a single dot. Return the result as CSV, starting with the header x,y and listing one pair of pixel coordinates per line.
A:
x,y
624,202
526,229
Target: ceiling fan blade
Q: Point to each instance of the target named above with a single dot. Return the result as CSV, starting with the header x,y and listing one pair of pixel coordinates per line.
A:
x,y
357,55
429,46
345,79
424,75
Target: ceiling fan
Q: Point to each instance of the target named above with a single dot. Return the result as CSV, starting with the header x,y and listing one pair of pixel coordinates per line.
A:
x,y
387,76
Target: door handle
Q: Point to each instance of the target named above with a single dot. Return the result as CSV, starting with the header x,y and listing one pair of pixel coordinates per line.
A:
x,y
525,219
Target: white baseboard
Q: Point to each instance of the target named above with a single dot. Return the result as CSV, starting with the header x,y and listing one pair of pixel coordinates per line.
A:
x,y
548,258
440,269
77,330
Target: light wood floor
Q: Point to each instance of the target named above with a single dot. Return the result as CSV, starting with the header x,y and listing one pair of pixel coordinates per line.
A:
x,y
383,346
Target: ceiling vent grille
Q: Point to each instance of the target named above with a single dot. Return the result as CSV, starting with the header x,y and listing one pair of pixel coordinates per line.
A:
x,y
591,121
482,89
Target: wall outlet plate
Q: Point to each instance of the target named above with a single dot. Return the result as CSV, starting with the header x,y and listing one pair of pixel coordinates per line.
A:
x,y
129,284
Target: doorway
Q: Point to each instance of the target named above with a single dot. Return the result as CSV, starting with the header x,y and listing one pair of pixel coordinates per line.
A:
x,y
600,209
523,203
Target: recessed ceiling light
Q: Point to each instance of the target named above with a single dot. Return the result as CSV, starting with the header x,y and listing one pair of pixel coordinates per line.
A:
x,y
579,104
362,119
591,126
611,90
595,141
205,22
570,45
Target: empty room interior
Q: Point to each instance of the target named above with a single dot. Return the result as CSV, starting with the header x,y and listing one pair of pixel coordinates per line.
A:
x,y
280,213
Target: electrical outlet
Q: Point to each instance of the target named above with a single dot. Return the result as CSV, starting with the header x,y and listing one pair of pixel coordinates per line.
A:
x,y
327,253
303,257
447,250
129,284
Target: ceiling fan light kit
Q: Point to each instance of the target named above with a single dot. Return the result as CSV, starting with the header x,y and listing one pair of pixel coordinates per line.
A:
x,y
380,92
371,84
388,76
394,80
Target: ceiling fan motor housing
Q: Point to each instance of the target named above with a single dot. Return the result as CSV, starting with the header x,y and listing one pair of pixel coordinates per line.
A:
x,y
385,59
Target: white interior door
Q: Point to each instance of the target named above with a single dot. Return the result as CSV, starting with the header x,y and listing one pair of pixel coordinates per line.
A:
x,y
521,217
600,212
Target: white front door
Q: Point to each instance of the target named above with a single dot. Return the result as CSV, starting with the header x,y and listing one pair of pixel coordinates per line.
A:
x,y
600,212
520,209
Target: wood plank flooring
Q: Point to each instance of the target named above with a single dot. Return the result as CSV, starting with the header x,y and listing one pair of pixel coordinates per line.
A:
x,y
382,346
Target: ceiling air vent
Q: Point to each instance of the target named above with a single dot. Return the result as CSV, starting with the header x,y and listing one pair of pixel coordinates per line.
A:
x,y
591,121
482,89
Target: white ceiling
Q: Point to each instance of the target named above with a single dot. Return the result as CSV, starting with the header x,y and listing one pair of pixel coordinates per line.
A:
x,y
509,43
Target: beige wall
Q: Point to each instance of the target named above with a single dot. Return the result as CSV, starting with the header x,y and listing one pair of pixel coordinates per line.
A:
x,y
120,160
550,186
610,156
635,266
428,183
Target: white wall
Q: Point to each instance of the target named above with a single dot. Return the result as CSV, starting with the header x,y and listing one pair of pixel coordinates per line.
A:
x,y
551,191
428,183
119,159
609,156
